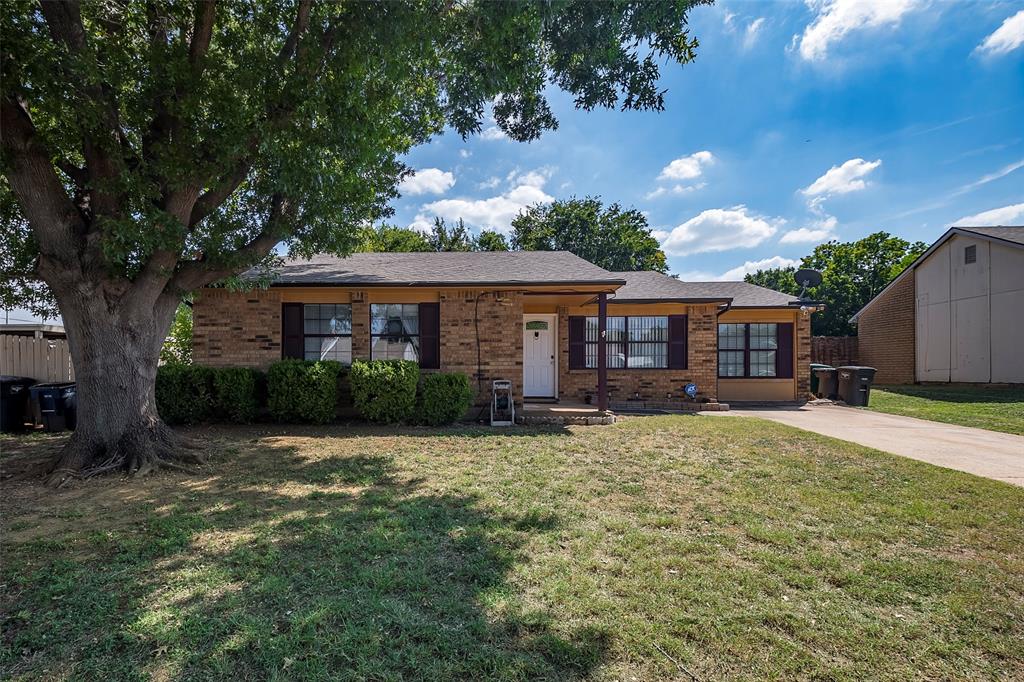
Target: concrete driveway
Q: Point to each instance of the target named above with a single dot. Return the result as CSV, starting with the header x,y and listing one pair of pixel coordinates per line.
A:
x,y
976,451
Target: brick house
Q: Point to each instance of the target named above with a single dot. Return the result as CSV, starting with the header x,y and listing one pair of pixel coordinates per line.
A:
x,y
956,314
532,317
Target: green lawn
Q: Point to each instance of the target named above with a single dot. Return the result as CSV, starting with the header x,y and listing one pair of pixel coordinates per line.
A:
x,y
996,409
657,549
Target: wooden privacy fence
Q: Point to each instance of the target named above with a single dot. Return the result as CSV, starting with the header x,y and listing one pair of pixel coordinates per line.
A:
x,y
41,359
834,350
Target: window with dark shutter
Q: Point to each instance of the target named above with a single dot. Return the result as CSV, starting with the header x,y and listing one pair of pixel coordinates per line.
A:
x,y
677,341
291,330
577,342
430,335
784,358
971,254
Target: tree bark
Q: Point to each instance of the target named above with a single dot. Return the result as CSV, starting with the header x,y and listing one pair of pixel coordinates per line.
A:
x,y
115,346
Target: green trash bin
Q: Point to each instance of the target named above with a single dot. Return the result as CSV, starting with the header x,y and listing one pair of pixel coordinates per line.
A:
x,y
814,376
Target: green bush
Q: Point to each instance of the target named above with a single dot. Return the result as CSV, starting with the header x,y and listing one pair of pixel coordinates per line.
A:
x,y
384,391
444,398
234,394
184,393
300,390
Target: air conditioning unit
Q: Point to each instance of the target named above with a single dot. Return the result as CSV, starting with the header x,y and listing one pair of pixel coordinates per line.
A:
x,y
503,406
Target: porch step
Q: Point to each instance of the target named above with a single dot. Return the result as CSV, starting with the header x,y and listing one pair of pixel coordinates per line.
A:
x,y
564,419
654,406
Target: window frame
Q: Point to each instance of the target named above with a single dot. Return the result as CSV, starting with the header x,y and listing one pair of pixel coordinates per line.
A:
x,y
625,343
327,336
417,345
747,350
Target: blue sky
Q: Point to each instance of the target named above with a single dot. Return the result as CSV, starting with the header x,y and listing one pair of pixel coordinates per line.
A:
x,y
797,123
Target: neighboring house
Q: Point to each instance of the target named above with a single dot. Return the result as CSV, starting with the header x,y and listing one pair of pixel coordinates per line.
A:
x,y
531,317
955,315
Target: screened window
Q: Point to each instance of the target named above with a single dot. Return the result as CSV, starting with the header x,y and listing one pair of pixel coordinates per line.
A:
x,y
395,331
327,332
630,342
748,350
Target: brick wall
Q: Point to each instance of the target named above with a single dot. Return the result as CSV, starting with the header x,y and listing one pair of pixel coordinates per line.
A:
x,y
501,338
802,342
885,334
834,350
236,329
651,384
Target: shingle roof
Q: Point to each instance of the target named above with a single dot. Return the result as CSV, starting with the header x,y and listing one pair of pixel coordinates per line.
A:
x,y
443,269
1006,233
654,286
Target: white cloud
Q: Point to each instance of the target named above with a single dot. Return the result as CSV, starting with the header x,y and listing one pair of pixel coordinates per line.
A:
x,y
531,178
834,19
719,229
842,179
465,153
675,189
810,235
752,32
494,213
427,181
491,133
985,179
1007,215
687,167
1007,38
490,183
737,273
728,20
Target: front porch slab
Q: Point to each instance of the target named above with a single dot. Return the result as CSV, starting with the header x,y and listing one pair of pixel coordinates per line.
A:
x,y
579,414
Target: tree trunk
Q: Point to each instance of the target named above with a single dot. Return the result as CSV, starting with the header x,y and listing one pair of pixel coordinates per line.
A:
x,y
115,346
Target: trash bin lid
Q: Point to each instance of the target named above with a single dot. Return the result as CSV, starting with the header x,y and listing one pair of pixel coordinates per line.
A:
x,y
825,370
12,379
857,368
819,365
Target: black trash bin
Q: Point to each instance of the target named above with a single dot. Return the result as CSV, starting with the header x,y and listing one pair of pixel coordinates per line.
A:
x,y
50,400
827,382
855,385
13,402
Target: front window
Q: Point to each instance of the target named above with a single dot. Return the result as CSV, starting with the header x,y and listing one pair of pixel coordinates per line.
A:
x,y
395,331
748,350
630,342
327,332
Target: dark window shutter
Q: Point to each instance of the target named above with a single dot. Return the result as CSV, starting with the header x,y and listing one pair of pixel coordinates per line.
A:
x,y
677,331
291,331
430,335
784,356
577,342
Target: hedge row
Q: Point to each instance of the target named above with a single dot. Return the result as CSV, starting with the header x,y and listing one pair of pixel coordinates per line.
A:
x,y
383,391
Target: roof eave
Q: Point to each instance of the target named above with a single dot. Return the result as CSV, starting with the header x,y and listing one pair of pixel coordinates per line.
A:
x,y
508,283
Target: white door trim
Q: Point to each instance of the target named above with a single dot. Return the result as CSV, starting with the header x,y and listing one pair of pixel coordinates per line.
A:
x,y
552,319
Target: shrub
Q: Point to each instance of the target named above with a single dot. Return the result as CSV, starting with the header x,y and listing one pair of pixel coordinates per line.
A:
x,y
384,391
234,394
444,398
300,390
184,393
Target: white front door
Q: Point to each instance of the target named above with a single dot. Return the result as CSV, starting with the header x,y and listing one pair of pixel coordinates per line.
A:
x,y
539,356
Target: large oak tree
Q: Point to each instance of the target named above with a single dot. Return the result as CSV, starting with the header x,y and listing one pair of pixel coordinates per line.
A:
x,y
153,148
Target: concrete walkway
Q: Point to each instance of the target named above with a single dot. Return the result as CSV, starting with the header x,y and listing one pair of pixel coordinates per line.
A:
x,y
976,451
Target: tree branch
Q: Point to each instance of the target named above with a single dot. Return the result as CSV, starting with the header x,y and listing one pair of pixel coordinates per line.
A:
x,y
202,33
51,214
195,274
295,34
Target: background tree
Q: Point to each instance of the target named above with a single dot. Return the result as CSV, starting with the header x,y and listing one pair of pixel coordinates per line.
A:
x,y
615,239
156,148
489,240
178,344
387,238
852,274
455,237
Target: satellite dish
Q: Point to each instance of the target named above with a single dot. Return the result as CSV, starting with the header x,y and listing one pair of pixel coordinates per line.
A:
x,y
807,278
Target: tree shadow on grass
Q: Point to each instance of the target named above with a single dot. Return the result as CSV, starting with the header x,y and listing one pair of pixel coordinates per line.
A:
x,y
330,568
